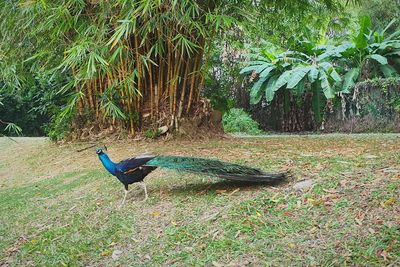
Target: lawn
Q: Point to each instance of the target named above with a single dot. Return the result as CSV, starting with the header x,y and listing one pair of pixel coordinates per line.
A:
x,y
59,207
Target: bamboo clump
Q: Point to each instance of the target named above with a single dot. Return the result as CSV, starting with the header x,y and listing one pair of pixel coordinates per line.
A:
x,y
166,86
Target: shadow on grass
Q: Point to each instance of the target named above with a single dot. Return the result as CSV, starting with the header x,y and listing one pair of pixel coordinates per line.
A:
x,y
206,188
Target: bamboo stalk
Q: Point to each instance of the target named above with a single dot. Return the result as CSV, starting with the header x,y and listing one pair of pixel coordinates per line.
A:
x,y
169,74
194,74
182,99
124,65
96,103
177,81
139,76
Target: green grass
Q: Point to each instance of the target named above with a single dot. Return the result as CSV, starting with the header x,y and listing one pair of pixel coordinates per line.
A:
x,y
59,207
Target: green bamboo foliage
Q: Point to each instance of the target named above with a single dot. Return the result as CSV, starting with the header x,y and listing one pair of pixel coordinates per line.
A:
x,y
125,63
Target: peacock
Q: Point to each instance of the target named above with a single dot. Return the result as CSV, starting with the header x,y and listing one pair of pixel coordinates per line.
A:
x,y
134,170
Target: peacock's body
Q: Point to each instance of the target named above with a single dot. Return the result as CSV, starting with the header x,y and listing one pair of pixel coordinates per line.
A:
x,y
134,170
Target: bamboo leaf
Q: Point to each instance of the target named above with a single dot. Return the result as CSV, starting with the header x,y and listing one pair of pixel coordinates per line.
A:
x,y
12,128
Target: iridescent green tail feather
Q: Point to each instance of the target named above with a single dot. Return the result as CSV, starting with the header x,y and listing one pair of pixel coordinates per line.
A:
x,y
212,167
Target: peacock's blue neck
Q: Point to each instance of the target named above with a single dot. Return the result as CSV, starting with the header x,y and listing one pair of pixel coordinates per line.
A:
x,y
107,163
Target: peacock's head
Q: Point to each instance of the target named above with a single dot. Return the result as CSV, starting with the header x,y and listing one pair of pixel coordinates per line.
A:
x,y
100,151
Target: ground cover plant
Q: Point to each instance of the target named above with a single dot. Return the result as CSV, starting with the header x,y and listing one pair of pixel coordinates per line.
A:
x,y
59,207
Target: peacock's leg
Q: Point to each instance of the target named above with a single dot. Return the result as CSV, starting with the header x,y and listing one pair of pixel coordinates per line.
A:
x,y
125,194
145,190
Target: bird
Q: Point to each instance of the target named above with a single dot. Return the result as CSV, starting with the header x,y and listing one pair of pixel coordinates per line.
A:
x,y
135,169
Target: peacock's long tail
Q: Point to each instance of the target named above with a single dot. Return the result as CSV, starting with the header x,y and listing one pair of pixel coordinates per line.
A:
x,y
218,168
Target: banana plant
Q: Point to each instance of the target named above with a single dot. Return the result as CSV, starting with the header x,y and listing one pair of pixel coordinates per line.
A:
x,y
368,54
292,71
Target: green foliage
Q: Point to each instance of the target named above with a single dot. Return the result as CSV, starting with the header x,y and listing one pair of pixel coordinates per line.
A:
x,y
291,70
9,127
85,40
220,81
31,108
152,133
369,54
382,12
238,121
59,127
326,67
12,129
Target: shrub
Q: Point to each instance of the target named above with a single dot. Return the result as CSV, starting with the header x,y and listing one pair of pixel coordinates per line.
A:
x,y
152,133
238,121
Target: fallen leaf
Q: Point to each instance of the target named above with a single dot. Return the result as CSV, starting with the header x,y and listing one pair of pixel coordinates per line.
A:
x,y
391,245
389,202
237,234
314,202
234,191
288,214
332,191
330,197
215,234
372,231
360,215
106,253
155,214
343,183
383,254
